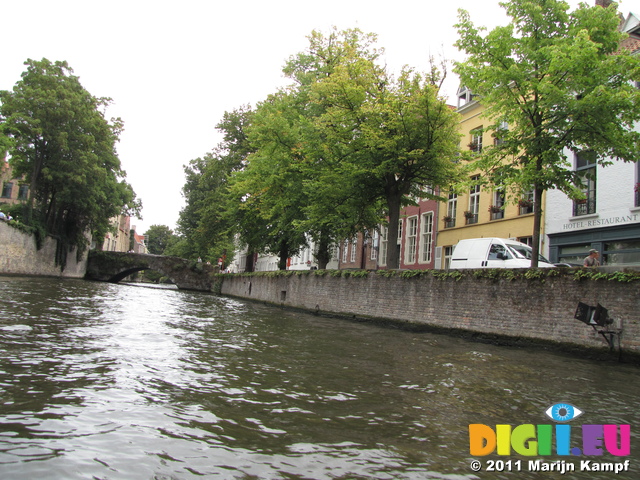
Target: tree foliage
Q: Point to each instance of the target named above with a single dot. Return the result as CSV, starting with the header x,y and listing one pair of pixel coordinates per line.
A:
x,y
388,139
561,83
158,238
65,148
342,148
205,221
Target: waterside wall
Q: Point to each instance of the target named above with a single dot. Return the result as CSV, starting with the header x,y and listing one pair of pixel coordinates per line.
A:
x,y
19,255
519,311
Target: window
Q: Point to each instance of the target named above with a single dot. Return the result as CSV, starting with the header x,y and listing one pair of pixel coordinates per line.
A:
x,y
526,240
464,96
375,244
335,251
345,249
7,189
384,243
412,240
428,191
497,206
354,249
23,192
452,208
498,252
637,186
476,140
500,131
526,203
622,252
426,237
573,254
586,169
474,202
448,251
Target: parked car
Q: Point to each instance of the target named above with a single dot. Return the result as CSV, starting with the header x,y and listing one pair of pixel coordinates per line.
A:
x,y
494,253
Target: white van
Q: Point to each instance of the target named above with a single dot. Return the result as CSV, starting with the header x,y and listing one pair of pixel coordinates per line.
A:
x,y
493,253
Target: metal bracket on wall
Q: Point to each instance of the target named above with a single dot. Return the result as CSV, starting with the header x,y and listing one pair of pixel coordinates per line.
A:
x,y
598,318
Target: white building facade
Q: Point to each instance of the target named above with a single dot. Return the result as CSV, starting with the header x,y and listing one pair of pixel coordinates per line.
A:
x,y
608,220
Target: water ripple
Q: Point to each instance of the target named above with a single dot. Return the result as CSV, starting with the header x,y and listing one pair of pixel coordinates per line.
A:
x,y
121,382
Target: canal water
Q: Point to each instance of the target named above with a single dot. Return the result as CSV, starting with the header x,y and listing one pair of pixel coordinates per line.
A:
x,y
102,381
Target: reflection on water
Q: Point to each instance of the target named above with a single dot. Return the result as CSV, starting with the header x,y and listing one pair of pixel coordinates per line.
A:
x,y
117,381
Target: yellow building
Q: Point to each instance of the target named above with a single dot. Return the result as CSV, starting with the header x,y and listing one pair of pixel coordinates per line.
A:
x,y
479,212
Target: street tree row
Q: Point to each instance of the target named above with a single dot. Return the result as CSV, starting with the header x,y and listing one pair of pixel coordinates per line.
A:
x,y
339,151
346,145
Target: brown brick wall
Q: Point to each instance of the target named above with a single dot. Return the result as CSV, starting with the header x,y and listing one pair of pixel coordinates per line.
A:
x,y
534,310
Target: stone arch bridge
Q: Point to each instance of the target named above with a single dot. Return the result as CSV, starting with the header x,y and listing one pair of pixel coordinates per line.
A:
x,y
115,266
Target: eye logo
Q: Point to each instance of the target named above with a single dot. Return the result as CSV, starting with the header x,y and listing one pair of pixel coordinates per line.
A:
x,y
563,412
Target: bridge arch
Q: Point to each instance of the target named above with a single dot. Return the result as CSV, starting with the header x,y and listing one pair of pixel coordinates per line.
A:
x,y
115,266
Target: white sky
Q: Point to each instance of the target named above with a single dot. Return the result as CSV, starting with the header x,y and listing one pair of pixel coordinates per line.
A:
x,y
173,68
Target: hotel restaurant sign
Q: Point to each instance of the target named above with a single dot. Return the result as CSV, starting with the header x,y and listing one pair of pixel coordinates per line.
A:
x,y
578,223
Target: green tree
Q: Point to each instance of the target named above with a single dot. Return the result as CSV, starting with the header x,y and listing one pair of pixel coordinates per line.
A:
x,y
65,148
561,83
205,221
158,238
334,206
394,138
268,193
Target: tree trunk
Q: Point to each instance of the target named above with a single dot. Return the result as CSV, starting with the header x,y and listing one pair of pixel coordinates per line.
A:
x,y
537,224
323,255
283,254
250,264
393,257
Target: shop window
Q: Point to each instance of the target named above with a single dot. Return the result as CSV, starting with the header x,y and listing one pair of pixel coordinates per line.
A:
x,y
573,254
624,252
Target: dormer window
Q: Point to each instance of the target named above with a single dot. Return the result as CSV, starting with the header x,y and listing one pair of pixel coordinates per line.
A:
x,y
464,96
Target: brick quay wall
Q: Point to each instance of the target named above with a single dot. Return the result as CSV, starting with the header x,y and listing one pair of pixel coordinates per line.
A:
x,y
512,307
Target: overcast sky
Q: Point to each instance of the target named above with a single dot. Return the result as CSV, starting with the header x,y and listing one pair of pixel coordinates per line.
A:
x,y
173,68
